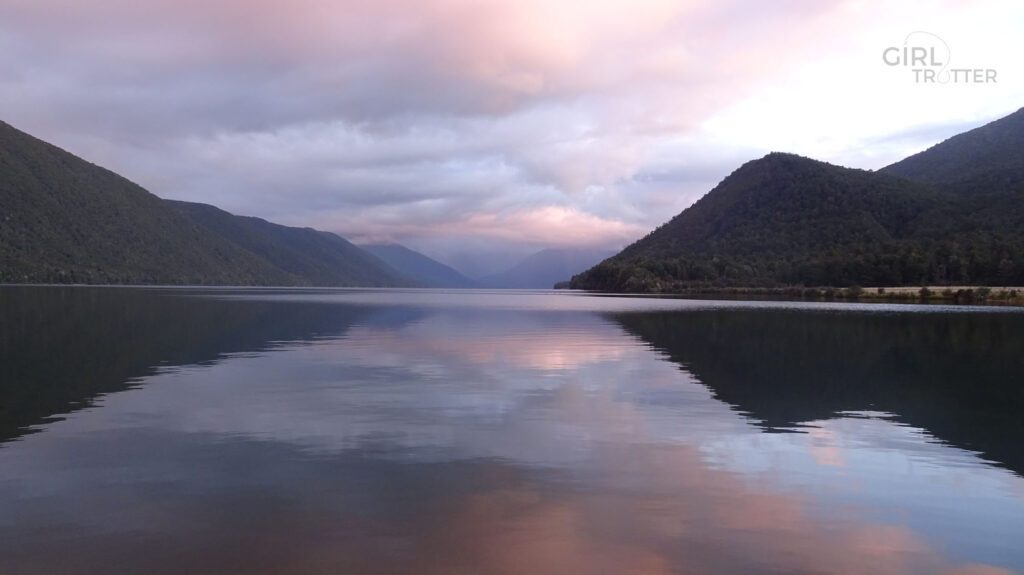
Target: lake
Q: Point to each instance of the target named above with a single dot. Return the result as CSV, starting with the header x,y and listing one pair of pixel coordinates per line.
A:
x,y
201,431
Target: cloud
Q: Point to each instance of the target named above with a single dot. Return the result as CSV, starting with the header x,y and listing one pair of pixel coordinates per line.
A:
x,y
529,121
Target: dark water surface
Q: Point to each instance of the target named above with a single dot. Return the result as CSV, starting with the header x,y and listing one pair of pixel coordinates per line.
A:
x,y
421,432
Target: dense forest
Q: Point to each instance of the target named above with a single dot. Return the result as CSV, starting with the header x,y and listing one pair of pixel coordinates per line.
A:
x,y
65,220
952,215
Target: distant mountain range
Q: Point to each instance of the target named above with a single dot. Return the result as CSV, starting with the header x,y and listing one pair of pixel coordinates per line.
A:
x,y
953,214
314,257
426,272
540,270
545,268
65,220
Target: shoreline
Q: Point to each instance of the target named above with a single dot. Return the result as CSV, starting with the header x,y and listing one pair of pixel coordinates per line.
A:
x,y
965,295
961,295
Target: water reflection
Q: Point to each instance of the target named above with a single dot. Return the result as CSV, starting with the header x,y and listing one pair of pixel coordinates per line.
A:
x,y
334,437
62,347
957,375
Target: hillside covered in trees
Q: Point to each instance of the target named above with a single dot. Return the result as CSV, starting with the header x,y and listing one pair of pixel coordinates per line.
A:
x,y
315,257
950,215
65,220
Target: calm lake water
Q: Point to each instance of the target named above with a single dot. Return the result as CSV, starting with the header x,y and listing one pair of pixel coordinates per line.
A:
x,y
421,432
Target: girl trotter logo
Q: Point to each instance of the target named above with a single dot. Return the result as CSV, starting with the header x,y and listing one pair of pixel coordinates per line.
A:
x,y
928,56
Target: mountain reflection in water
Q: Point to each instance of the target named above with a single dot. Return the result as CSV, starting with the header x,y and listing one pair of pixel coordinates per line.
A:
x,y
327,431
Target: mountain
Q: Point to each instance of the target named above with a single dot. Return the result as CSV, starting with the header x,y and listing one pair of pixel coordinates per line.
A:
x,y
985,159
65,220
315,257
934,218
782,219
479,260
984,170
426,272
545,268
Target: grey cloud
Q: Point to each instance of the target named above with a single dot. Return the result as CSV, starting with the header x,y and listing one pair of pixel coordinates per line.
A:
x,y
414,121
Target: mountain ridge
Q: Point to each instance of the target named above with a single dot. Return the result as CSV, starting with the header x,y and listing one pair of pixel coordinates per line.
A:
x,y
785,220
965,157
66,220
544,269
315,257
424,270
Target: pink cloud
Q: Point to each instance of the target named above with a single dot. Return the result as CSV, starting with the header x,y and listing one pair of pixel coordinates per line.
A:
x,y
402,119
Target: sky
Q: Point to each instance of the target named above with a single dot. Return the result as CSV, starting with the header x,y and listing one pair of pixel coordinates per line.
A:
x,y
477,128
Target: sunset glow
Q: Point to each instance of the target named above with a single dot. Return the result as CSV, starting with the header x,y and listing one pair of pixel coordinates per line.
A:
x,y
518,123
